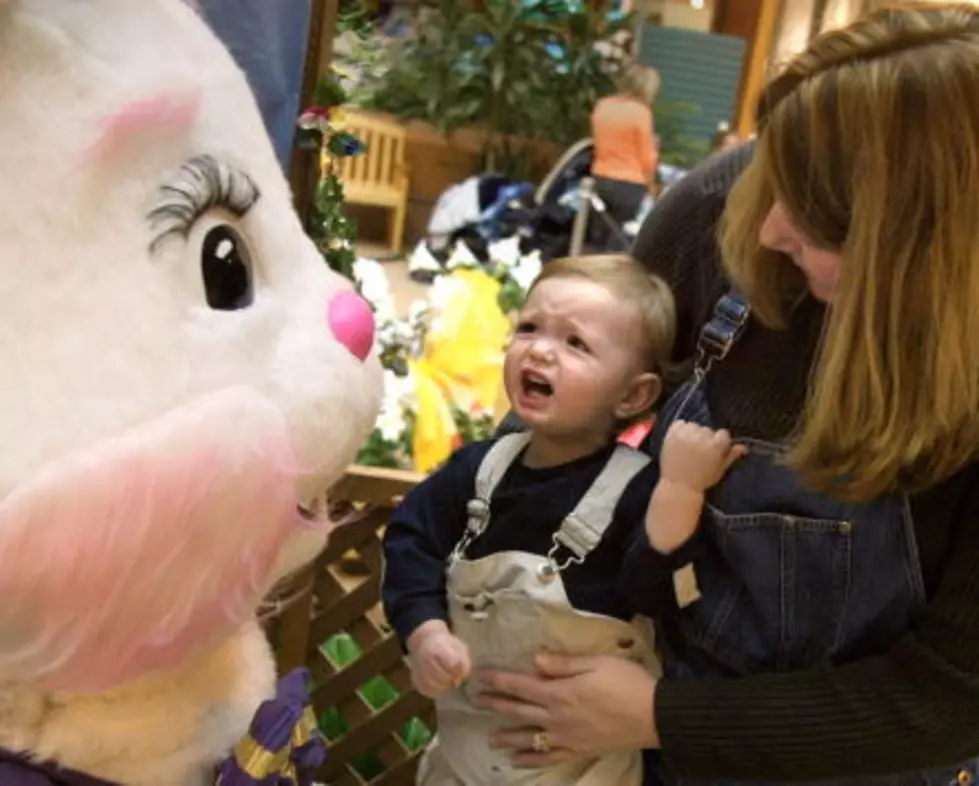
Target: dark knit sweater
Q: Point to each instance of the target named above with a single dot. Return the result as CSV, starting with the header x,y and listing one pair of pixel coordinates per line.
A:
x,y
915,707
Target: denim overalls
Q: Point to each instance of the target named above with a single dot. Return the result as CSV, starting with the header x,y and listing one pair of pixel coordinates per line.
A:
x,y
788,579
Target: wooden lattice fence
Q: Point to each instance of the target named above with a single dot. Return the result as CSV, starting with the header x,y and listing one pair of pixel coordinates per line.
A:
x,y
330,621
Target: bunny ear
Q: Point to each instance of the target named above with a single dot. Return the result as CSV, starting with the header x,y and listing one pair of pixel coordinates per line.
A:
x,y
134,553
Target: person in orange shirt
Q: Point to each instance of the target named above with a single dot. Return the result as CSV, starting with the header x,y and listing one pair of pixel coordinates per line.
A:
x,y
626,152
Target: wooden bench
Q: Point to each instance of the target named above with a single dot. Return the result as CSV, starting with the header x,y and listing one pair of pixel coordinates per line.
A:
x,y
378,178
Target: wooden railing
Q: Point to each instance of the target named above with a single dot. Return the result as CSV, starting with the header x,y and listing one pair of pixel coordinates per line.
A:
x,y
332,623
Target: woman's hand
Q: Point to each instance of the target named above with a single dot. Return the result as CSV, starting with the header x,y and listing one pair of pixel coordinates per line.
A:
x,y
585,706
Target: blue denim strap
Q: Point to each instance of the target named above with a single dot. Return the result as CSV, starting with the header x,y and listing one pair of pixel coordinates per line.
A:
x,y
725,327
717,336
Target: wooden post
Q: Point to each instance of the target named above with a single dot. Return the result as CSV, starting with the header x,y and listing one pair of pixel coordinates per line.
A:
x,y
738,18
304,169
293,645
756,66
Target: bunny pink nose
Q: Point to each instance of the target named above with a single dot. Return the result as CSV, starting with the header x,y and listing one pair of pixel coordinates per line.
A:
x,y
352,323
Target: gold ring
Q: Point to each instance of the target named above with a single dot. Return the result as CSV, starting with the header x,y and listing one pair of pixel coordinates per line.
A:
x,y
540,743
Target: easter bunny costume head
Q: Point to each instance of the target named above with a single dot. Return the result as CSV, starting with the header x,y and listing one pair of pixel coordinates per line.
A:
x,y
180,376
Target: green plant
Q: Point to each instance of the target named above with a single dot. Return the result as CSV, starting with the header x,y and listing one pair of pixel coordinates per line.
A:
x,y
383,450
333,231
588,56
328,224
526,71
363,61
472,428
420,78
354,16
504,78
677,148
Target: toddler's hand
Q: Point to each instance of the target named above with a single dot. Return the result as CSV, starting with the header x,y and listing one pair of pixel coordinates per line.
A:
x,y
693,459
439,661
697,457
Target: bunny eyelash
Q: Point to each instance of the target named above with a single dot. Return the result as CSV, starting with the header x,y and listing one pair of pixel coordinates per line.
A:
x,y
201,183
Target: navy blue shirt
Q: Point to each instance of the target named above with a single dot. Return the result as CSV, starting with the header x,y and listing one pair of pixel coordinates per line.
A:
x,y
526,510
17,770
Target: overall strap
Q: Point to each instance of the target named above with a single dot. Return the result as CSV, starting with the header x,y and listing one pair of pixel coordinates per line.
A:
x,y
722,330
585,526
717,336
497,461
491,470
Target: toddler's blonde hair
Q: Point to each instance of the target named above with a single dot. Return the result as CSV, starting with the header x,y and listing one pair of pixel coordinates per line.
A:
x,y
631,283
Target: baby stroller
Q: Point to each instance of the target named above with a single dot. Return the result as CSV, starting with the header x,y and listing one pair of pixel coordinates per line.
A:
x,y
570,185
551,220
475,212
568,192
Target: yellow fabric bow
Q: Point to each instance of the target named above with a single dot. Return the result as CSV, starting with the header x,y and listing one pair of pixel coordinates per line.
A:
x,y
461,363
259,762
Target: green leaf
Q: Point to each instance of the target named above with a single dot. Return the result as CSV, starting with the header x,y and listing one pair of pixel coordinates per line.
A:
x,y
328,93
333,725
378,693
342,649
415,735
514,86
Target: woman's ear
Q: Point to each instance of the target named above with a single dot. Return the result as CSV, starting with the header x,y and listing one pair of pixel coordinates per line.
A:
x,y
639,396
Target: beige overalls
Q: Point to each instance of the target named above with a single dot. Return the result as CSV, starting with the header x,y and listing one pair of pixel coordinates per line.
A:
x,y
510,606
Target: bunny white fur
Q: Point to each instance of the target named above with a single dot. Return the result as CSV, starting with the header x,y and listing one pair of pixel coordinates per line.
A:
x,y
102,331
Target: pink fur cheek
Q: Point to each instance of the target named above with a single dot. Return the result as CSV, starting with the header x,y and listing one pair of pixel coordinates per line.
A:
x,y
129,556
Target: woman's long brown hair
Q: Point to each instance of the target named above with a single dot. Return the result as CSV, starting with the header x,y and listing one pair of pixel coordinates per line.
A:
x,y
870,139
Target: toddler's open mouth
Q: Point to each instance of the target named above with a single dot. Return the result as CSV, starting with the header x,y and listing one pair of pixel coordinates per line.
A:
x,y
535,384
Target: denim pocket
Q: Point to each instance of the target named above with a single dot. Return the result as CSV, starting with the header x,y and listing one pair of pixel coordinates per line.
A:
x,y
774,590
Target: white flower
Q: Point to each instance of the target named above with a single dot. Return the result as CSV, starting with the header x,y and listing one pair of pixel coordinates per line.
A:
x,y
374,286
418,310
390,421
461,257
390,424
505,253
403,390
525,272
387,334
422,259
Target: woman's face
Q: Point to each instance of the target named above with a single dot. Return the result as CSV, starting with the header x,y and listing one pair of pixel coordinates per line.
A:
x,y
821,267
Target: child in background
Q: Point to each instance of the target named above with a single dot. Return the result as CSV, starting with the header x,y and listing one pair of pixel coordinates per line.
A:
x,y
514,547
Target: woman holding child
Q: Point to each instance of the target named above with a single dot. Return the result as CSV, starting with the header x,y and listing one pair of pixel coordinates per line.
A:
x,y
825,616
